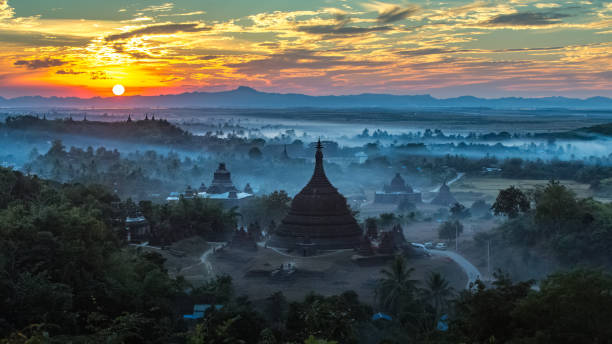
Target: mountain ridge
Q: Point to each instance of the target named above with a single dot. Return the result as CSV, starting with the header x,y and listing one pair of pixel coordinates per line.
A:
x,y
247,97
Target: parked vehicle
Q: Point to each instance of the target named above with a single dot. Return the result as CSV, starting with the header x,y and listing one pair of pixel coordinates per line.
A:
x,y
420,248
428,245
441,246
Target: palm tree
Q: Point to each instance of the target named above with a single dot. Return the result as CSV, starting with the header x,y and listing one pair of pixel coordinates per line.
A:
x,y
437,291
396,288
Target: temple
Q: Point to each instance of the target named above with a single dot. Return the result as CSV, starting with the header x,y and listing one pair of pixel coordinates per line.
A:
x,y
319,216
284,155
221,190
222,181
137,228
444,196
397,192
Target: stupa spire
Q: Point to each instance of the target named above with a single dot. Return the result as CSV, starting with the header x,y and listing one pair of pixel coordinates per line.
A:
x,y
318,176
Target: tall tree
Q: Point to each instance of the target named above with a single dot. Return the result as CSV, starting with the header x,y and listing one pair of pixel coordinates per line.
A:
x,y
510,202
396,288
437,291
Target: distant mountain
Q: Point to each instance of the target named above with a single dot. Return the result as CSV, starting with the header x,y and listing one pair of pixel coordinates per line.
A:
x,y
246,97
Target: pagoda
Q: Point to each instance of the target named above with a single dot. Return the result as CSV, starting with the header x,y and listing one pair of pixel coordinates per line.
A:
x,y
444,196
397,192
284,154
319,214
222,181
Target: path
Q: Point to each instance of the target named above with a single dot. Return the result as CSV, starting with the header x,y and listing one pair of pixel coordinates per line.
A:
x,y
470,270
279,251
204,256
459,176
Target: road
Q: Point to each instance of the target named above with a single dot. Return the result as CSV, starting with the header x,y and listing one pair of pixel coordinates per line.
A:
x,y
470,270
450,182
204,256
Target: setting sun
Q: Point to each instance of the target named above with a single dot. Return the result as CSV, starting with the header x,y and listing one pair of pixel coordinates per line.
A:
x,y
118,90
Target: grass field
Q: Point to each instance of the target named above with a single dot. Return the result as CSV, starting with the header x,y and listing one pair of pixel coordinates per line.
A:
x,y
470,189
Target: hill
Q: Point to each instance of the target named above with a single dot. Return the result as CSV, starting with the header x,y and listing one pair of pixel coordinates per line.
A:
x,y
246,97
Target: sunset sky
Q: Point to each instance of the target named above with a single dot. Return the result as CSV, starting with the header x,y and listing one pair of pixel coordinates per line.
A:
x,y
482,48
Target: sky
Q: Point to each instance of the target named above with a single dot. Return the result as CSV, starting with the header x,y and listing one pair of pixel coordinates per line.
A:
x,y
448,48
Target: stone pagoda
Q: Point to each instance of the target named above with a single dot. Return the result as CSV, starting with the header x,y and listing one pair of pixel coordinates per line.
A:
x,y
319,214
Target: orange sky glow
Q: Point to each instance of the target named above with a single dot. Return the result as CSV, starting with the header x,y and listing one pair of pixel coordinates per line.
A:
x,y
482,48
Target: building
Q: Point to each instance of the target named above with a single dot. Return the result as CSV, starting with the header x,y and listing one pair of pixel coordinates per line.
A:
x,y
319,215
189,193
222,181
284,155
244,240
137,228
396,192
202,188
444,197
221,189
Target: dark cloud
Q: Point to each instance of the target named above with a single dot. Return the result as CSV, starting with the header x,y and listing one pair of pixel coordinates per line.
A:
x,y
40,40
68,72
269,44
527,19
436,51
298,58
120,48
396,13
98,76
605,75
158,30
423,52
341,29
528,49
40,63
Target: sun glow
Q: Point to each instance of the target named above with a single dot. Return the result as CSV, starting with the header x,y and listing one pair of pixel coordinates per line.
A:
x,y
118,90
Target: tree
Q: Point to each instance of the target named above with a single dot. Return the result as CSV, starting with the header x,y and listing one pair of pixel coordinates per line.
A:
x,y
510,202
396,288
387,219
371,228
437,291
218,290
555,206
313,340
449,230
276,309
571,307
266,208
255,153
480,208
405,206
57,149
459,211
484,315
335,318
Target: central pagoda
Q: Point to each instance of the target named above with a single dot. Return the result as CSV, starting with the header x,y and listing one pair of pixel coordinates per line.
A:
x,y
319,215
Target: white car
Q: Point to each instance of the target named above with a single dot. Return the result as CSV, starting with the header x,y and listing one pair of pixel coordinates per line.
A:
x,y
428,245
440,246
420,248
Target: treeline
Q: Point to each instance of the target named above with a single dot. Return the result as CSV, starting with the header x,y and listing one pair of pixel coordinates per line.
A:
x,y
591,174
66,274
514,168
548,229
136,175
153,131
174,221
